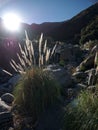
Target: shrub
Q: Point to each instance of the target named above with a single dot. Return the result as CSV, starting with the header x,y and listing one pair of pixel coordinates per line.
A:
x,y
82,114
62,63
36,91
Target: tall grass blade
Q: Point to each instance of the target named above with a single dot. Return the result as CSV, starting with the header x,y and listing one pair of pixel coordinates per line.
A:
x,y
7,72
40,44
45,47
53,50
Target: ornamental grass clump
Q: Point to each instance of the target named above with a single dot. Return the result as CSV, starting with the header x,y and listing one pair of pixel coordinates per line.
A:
x,y
36,91
27,58
83,113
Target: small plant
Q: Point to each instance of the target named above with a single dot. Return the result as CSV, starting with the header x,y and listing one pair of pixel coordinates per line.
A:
x,y
62,62
84,114
36,91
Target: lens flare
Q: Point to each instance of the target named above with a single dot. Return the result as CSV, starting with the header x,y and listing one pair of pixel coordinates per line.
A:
x,y
11,22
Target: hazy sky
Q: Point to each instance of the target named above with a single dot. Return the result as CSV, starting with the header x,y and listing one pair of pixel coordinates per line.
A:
x,y
38,11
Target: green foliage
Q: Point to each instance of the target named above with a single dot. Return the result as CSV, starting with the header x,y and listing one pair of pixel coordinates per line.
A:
x,y
82,114
90,32
82,67
36,91
90,44
62,63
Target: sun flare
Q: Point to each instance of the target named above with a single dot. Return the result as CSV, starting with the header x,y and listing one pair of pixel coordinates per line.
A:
x,y
11,22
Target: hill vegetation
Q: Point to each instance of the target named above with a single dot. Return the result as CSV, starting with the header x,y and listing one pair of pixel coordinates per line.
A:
x,y
71,30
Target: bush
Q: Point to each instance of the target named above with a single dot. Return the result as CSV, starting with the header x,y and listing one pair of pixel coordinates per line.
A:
x,y
62,63
36,91
82,114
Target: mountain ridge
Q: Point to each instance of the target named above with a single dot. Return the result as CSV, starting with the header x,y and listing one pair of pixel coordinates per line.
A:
x,y
69,30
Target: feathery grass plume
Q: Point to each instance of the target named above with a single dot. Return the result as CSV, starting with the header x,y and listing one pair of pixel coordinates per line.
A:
x,y
40,45
27,40
30,54
21,50
47,55
13,66
96,59
33,55
20,67
42,60
7,72
21,61
27,56
25,50
53,50
45,47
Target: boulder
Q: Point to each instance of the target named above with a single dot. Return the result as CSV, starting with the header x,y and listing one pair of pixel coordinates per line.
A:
x,y
7,98
6,120
86,64
80,86
8,86
4,88
4,77
61,75
79,77
14,80
71,53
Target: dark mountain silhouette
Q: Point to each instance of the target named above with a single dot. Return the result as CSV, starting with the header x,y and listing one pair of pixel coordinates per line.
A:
x,y
45,27
68,30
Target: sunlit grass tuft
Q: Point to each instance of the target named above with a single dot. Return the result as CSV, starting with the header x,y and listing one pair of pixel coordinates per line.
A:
x,y
36,91
83,113
27,57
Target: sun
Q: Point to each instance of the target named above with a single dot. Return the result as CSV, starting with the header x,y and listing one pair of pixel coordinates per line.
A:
x,y
11,21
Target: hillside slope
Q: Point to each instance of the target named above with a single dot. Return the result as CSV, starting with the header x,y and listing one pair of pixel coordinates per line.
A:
x,y
68,30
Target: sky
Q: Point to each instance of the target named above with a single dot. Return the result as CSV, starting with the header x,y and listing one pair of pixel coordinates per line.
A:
x,y
39,11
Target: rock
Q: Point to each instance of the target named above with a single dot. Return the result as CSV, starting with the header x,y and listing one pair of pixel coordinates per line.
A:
x,y
80,86
51,119
71,53
8,86
4,77
14,80
86,64
61,75
7,98
92,88
70,93
79,77
6,120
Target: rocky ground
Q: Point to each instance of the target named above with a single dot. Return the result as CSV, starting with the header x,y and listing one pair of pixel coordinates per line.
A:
x,y
73,77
